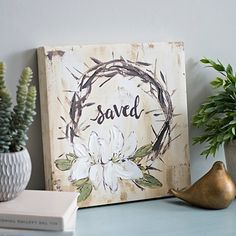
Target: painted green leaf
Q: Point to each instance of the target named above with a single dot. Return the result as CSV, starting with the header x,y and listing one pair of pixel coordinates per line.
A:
x,y
71,156
79,183
63,164
85,191
142,168
143,151
136,159
148,181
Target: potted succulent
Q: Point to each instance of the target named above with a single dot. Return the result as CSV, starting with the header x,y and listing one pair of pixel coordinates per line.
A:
x,y
15,162
217,116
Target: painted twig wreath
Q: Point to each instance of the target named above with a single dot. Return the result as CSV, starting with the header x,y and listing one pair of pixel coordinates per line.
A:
x,y
157,90
125,68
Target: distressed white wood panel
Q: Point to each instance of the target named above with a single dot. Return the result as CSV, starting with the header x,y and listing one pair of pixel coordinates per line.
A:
x,y
114,120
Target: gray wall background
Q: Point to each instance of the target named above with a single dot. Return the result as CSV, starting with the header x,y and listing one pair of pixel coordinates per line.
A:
x,y
207,28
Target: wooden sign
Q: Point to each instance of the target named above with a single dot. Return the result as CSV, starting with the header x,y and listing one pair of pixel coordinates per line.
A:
x,y
114,120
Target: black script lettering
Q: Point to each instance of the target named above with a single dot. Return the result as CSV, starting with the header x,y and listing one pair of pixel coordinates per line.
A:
x,y
100,117
124,110
134,111
118,113
109,114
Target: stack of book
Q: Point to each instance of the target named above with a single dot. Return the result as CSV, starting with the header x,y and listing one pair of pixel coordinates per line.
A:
x,y
39,213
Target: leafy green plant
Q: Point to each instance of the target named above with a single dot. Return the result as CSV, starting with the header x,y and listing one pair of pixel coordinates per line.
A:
x,y
217,115
15,121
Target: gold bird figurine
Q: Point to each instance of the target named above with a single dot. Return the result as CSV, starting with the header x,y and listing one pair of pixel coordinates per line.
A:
x,y
215,190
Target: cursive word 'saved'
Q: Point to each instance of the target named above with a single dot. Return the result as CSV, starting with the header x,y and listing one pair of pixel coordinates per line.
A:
x,y
117,112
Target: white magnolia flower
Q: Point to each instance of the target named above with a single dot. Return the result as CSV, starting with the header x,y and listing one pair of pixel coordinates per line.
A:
x,y
105,162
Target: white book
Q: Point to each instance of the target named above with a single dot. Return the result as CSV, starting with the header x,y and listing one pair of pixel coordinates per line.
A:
x,y
42,210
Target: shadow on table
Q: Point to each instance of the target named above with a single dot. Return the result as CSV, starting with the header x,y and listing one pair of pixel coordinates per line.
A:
x,y
181,203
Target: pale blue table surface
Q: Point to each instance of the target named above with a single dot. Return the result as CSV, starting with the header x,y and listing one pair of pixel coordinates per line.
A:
x,y
165,217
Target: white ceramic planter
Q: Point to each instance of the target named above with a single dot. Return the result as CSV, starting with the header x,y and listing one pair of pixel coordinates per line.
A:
x,y
230,158
15,172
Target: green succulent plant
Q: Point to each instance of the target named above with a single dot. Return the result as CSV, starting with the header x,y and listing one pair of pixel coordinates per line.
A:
x,y
15,121
217,115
